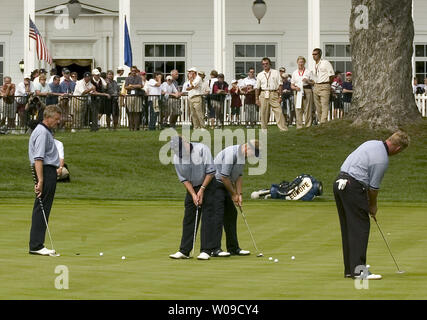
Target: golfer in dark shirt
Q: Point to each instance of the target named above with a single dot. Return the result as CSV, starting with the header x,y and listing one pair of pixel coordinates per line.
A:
x,y
356,190
44,157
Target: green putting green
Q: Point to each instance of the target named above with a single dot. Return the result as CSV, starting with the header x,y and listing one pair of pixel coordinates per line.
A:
x,y
146,232
123,202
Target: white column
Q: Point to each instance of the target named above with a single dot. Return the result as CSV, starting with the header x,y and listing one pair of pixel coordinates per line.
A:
x,y
105,51
124,11
313,29
219,36
110,52
29,44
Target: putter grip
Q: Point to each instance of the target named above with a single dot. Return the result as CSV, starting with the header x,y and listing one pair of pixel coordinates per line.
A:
x,y
33,171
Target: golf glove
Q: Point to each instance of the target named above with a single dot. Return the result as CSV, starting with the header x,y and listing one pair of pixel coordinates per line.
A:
x,y
342,183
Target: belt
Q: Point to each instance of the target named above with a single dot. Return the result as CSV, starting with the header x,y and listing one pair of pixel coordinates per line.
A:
x,y
347,176
324,83
307,87
269,90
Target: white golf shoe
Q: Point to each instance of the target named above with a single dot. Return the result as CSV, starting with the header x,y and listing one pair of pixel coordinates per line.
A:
x,y
44,252
203,256
370,276
241,252
178,255
220,253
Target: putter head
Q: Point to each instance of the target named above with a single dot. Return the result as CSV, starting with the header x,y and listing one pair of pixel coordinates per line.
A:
x,y
400,271
260,255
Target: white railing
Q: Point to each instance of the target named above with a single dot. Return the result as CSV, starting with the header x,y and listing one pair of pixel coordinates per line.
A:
x,y
420,100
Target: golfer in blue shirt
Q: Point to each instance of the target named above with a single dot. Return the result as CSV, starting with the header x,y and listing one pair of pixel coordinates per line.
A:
x,y
356,190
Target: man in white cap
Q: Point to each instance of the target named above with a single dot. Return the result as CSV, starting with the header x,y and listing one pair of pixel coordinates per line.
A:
x,y
195,98
120,72
172,101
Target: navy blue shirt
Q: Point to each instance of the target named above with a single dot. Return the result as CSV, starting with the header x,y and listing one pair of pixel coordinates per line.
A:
x,y
55,89
347,95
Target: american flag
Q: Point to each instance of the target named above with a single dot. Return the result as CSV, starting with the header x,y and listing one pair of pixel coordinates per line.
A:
x,y
42,52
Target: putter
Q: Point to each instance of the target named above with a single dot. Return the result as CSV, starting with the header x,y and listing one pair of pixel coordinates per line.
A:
x,y
388,247
44,214
195,230
253,240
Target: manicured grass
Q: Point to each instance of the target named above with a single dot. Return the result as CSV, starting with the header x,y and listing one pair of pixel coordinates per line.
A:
x,y
146,232
123,202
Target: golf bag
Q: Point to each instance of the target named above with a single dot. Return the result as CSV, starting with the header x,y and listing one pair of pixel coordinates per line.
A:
x,y
304,187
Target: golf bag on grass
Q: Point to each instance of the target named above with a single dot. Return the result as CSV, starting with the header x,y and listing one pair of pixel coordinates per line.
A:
x,y
304,187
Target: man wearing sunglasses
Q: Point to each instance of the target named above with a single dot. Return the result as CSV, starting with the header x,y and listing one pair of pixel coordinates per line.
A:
x,y
323,76
268,95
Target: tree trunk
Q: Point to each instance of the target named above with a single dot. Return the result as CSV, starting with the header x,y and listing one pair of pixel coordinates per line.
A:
x,y
381,38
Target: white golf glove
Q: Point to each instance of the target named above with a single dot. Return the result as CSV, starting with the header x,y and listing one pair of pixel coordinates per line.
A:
x,y
341,183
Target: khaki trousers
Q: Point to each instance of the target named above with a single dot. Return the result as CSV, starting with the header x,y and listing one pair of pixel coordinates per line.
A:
x,y
322,94
306,109
273,102
196,109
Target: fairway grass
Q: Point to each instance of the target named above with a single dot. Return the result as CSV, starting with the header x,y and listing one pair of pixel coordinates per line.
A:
x,y
146,232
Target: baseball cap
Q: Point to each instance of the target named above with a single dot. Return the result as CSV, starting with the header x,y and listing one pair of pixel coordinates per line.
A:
x,y
192,69
87,74
202,73
96,72
252,145
27,76
169,78
282,69
66,71
348,73
142,73
234,81
121,68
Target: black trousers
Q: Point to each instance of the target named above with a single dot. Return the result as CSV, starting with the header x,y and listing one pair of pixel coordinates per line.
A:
x,y
38,224
206,213
353,211
225,216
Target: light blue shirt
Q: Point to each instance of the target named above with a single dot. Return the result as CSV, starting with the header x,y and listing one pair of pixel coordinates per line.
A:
x,y
367,163
42,147
230,163
195,168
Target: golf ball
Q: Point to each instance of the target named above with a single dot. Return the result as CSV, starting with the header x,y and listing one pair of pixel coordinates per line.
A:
x,y
276,260
270,258
293,257
123,258
101,254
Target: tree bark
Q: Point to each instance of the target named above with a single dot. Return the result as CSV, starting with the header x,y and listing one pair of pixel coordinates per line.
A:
x,y
381,38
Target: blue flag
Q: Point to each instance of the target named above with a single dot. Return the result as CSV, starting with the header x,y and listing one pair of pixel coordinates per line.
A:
x,y
128,47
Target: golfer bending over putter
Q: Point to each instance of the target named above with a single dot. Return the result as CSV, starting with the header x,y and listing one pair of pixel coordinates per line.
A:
x,y
228,181
356,190
44,158
194,167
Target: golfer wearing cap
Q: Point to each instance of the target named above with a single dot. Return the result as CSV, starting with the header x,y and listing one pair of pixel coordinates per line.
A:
x,y
44,157
195,98
228,183
356,190
195,169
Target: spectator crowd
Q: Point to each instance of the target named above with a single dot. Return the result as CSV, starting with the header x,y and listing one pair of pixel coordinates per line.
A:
x,y
304,97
